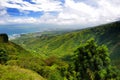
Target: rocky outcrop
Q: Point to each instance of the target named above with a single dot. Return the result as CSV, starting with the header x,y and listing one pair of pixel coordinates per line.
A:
x,y
3,38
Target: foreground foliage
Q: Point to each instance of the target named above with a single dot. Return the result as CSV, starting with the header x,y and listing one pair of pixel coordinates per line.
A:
x,y
92,62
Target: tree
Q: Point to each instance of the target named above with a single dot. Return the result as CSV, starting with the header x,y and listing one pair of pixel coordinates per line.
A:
x,y
92,62
3,56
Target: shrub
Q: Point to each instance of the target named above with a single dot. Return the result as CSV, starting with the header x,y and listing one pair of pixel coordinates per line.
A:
x,y
3,56
92,62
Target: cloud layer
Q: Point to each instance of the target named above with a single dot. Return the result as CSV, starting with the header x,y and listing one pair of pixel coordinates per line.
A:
x,y
61,12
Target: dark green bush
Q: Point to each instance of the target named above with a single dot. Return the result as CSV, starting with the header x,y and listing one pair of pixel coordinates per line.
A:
x,y
3,56
92,62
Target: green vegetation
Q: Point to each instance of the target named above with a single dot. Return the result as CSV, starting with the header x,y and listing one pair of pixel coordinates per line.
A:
x,y
63,45
3,56
17,73
92,62
12,56
53,55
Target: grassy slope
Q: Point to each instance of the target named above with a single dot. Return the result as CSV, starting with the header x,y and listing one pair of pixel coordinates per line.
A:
x,y
65,44
16,73
17,56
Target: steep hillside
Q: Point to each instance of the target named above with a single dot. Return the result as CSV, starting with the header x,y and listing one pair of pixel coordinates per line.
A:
x,y
65,44
11,49
15,62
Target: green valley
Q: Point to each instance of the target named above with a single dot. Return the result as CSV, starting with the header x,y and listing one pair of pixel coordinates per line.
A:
x,y
65,44
52,55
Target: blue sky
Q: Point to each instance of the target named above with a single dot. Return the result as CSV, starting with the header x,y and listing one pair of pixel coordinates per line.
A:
x,y
59,12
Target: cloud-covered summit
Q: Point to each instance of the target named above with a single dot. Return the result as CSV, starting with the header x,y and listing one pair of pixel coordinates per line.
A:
x,y
60,12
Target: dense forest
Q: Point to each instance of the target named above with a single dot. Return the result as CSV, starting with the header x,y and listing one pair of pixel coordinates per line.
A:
x,y
87,54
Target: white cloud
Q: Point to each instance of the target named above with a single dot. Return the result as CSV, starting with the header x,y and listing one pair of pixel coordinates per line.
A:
x,y
80,12
40,5
29,20
85,13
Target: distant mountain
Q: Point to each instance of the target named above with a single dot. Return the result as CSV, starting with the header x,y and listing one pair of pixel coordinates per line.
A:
x,y
65,44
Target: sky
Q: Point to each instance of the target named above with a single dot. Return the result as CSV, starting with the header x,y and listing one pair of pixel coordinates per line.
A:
x,y
59,12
